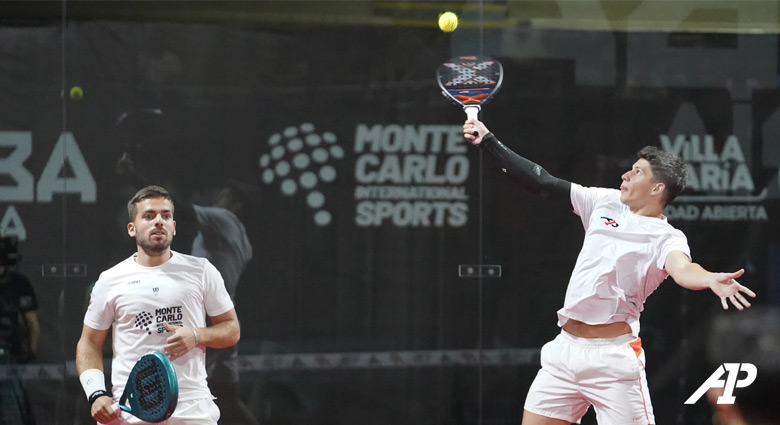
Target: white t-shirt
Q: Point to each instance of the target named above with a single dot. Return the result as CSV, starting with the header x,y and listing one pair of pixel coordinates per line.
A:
x,y
135,300
621,262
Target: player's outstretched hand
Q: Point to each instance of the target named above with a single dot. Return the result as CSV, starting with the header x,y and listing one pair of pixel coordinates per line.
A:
x,y
474,130
728,289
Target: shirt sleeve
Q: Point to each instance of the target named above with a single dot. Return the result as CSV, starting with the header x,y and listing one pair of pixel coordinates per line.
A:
x,y
584,199
99,311
675,242
216,298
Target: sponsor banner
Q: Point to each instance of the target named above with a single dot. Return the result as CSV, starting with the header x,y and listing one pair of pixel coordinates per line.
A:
x,y
720,184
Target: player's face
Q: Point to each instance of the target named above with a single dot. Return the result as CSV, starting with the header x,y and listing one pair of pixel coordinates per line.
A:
x,y
153,227
638,186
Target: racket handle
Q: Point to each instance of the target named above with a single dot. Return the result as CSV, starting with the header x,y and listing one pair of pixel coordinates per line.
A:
x,y
116,406
472,111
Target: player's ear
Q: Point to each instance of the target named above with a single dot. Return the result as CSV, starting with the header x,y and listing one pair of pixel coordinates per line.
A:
x,y
131,229
174,227
658,188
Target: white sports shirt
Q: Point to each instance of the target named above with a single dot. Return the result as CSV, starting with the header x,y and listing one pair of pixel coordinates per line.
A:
x,y
621,262
135,300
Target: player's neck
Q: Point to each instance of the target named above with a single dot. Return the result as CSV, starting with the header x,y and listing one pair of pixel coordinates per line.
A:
x,y
649,210
152,259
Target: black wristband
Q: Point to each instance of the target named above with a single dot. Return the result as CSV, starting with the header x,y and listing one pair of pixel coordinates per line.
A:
x,y
97,394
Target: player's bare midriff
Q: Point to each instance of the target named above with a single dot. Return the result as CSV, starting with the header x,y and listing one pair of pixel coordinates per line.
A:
x,y
584,330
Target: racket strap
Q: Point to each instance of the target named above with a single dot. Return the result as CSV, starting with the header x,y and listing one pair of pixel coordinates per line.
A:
x,y
97,394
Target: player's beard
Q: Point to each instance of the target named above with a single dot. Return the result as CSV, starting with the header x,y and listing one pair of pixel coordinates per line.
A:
x,y
154,247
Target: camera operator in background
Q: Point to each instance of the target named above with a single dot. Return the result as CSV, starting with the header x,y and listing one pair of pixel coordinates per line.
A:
x,y
19,332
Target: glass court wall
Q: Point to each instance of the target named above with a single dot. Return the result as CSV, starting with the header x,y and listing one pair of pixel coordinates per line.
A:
x,y
383,271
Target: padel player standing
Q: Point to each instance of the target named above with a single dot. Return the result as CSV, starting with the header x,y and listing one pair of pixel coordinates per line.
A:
x,y
156,300
628,250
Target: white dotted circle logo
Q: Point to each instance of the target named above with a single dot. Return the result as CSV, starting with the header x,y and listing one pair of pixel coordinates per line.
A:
x,y
298,160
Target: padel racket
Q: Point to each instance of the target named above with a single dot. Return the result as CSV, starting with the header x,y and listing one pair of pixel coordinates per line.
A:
x,y
152,391
470,81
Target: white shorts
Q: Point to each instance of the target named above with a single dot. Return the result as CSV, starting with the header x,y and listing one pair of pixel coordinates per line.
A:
x,y
188,412
607,373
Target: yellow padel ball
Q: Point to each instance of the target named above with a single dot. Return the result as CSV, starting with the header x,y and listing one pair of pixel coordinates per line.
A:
x,y
448,21
76,93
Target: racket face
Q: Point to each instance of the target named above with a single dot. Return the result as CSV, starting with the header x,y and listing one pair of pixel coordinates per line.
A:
x,y
470,80
152,389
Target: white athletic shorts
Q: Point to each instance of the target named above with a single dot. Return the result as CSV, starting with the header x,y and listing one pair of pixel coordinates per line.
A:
x,y
607,373
188,412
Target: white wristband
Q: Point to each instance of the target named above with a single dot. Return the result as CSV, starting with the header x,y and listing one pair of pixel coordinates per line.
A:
x,y
196,336
92,380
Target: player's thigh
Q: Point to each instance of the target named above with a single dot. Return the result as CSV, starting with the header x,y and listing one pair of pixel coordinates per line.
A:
x,y
195,412
188,412
620,396
530,418
555,392
624,402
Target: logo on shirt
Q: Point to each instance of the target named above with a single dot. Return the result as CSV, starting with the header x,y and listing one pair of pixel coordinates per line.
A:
x,y
610,222
143,320
153,322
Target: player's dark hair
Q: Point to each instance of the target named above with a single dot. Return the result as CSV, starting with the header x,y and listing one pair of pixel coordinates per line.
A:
x,y
146,193
667,168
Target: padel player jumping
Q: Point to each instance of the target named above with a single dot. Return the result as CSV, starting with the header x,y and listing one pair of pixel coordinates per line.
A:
x,y
598,358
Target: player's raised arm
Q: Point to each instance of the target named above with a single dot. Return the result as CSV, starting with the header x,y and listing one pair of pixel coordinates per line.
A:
x,y
527,173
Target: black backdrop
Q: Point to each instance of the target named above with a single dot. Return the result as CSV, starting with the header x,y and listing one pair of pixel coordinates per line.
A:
x,y
362,204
